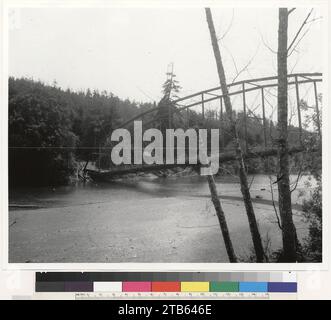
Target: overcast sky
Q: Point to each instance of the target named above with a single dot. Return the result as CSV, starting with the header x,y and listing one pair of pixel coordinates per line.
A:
x,y
127,51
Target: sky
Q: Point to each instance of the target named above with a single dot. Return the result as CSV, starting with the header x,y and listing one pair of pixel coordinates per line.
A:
x,y
127,50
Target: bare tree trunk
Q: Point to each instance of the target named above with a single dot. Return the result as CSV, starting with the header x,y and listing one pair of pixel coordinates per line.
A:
x,y
239,156
221,218
285,206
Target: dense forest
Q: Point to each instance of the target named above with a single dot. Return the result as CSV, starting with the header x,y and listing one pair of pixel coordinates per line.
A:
x,y
51,130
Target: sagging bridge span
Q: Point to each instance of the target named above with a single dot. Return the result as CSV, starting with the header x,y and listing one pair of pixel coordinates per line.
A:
x,y
214,95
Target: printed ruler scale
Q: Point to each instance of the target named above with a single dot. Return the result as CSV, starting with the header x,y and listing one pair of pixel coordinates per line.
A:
x,y
172,295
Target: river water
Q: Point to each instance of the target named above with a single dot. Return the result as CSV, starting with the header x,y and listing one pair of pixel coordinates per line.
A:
x,y
174,187
146,219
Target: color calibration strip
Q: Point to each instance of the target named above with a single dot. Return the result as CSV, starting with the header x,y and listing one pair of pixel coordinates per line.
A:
x,y
165,286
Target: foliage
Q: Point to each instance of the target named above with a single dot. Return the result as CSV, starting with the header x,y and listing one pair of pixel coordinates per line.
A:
x,y
171,87
49,129
41,139
312,209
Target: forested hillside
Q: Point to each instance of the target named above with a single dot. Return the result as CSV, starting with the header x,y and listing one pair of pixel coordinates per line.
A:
x,y
49,129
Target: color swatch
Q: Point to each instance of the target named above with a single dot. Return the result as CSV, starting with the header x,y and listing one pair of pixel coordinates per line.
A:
x,y
110,282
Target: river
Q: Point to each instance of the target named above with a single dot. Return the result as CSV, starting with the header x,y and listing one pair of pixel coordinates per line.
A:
x,y
146,219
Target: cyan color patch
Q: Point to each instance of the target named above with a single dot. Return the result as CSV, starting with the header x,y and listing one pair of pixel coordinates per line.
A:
x,y
253,286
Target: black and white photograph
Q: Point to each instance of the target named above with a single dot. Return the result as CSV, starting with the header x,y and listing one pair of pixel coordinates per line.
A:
x,y
165,134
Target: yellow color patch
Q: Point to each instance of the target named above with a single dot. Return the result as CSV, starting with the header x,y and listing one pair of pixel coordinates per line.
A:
x,y
195,286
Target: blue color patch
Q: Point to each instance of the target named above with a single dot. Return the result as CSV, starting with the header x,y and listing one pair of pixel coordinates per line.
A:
x,y
282,287
253,286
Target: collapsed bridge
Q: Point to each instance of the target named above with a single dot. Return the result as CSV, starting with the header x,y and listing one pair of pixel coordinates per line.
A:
x,y
262,87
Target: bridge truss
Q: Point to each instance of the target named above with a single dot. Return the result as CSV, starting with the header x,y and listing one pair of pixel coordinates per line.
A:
x,y
241,90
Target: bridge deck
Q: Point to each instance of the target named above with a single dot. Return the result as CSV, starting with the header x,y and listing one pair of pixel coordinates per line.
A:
x,y
223,157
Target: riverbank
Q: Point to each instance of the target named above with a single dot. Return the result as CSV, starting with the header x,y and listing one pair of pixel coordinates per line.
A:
x,y
156,230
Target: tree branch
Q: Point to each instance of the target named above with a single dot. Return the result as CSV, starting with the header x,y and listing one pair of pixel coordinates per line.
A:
x,y
300,29
298,178
294,48
267,45
273,203
228,28
246,65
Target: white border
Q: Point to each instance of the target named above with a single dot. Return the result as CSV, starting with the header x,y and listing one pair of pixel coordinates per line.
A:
x,y
8,4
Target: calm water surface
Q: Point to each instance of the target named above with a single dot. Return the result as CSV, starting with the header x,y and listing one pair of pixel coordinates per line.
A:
x,y
173,187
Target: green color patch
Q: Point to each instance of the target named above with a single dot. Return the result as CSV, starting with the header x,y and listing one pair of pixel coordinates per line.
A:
x,y
224,286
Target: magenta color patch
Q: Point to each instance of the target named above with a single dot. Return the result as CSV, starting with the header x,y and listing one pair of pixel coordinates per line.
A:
x,y
138,286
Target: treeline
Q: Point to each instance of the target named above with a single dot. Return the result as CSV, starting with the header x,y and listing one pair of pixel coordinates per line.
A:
x,y
51,129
